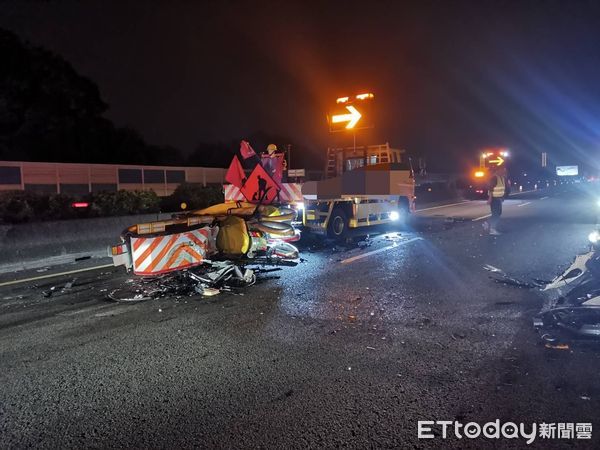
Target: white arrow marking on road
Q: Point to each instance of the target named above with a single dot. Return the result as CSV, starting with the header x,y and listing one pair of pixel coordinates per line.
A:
x,y
384,249
351,118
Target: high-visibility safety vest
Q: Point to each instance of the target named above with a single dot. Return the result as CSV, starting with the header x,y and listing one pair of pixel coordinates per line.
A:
x,y
500,188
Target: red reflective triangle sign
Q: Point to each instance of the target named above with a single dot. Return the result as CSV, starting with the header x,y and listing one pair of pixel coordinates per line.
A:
x,y
260,187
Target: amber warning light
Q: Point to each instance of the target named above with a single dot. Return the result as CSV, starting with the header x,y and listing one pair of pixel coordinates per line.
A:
x,y
366,96
479,174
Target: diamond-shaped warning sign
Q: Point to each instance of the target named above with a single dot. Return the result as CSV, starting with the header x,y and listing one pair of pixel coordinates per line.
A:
x,y
260,187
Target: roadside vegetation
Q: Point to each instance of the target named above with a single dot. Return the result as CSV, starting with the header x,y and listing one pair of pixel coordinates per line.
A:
x,y
23,206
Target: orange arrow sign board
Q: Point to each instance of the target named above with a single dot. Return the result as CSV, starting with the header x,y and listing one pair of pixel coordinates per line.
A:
x,y
352,118
498,161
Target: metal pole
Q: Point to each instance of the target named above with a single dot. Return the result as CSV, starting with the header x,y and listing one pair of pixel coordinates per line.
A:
x,y
57,178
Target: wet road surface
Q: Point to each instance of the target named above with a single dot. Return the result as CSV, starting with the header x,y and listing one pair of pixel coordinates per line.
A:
x,y
350,348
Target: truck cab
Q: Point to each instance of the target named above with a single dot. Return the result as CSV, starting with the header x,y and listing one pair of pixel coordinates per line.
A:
x,y
364,186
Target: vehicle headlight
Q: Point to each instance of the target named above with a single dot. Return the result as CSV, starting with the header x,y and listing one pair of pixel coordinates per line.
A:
x,y
598,203
594,237
394,215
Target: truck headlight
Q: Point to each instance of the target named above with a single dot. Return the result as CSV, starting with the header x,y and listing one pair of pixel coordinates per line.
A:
x,y
594,237
394,215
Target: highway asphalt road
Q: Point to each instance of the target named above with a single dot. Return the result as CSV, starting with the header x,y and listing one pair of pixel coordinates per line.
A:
x,y
350,348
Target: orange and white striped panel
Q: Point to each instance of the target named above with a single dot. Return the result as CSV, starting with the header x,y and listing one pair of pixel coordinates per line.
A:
x,y
291,192
233,194
162,254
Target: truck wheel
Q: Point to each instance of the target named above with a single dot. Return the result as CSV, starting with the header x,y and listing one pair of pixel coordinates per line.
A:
x,y
403,206
404,210
338,224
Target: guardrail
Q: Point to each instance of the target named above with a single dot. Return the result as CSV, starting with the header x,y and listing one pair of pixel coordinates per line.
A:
x,y
34,245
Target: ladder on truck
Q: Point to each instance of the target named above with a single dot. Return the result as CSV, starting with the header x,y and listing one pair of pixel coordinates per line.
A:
x,y
330,169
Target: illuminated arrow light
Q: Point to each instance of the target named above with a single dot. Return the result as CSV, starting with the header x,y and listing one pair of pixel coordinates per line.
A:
x,y
351,118
364,96
498,161
342,100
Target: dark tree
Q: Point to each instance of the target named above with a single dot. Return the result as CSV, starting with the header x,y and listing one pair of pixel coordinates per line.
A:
x,y
48,112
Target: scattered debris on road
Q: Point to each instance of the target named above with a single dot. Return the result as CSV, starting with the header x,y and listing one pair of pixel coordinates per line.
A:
x,y
49,292
366,242
67,287
500,276
207,280
572,301
393,236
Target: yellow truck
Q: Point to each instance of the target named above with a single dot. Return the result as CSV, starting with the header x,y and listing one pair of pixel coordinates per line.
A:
x,y
365,186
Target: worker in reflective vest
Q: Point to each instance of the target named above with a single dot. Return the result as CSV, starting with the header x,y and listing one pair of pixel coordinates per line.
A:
x,y
499,188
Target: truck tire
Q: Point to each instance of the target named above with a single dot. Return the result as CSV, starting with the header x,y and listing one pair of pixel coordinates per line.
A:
x,y
338,224
403,208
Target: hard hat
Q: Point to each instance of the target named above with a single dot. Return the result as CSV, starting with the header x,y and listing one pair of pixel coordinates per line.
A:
x,y
271,148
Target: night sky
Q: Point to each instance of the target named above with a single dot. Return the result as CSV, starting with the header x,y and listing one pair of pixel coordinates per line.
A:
x,y
449,77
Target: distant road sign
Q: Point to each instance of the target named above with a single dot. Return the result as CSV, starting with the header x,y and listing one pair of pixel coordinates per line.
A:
x,y
296,173
351,113
567,171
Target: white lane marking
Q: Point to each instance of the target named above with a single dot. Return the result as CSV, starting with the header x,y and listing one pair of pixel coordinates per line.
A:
x,y
444,206
482,217
86,310
471,201
52,275
384,249
523,204
544,198
524,192
113,312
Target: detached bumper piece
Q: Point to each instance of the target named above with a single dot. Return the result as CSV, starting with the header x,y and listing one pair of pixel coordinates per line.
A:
x,y
572,308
